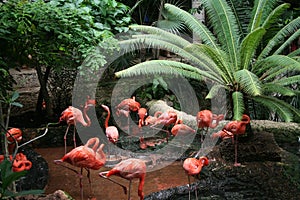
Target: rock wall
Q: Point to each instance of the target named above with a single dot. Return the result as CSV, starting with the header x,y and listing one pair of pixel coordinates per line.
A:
x,y
28,88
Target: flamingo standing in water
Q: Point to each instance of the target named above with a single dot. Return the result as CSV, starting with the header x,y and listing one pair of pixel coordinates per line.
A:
x,y
88,156
205,119
111,132
125,107
128,169
182,130
73,115
192,167
165,119
14,136
232,130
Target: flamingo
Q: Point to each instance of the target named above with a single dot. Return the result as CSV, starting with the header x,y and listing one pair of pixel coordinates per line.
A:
x,y
126,106
20,162
232,130
205,119
73,115
182,130
14,136
193,166
165,119
142,112
128,169
112,132
88,156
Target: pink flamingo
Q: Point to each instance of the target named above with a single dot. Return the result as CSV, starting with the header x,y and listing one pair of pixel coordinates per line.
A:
x,y
165,119
112,132
205,119
232,130
129,169
14,136
193,166
88,156
73,115
125,107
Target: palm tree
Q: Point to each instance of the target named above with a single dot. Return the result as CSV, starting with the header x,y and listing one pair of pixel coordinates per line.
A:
x,y
249,63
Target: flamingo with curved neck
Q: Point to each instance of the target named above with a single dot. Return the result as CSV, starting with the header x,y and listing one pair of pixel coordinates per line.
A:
x,y
205,119
88,156
193,166
73,115
111,132
128,169
232,130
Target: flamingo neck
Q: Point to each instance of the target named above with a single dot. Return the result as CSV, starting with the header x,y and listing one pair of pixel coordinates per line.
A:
x,y
88,120
102,156
94,142
107,118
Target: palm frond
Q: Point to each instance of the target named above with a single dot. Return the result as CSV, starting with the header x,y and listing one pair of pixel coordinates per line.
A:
x,y
287,80
286,31
166,67
275,15
248,82
270,88
287,42
164,35
238,105
242,12
275,65
261,10
249,46
214,91
283,109
219,60
294,53
193,24
225,26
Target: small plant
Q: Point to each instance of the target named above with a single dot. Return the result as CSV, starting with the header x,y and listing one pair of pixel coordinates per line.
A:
x,y
8,176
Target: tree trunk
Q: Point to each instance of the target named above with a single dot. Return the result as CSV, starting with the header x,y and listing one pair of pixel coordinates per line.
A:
x,y
44,94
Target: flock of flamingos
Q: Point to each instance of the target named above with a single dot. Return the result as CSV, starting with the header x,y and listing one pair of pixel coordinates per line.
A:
x,y
91,156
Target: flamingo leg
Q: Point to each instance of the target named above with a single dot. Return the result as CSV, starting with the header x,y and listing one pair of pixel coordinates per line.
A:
x,y
74,137
189,187
129,189
102,174
167,132
235,153
59,162
65,138
89,178
80,184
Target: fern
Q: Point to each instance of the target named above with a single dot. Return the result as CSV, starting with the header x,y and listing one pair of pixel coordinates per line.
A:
x,y
284,110
279,37
238,105
225,26
193,24
248,82
272,88
249,45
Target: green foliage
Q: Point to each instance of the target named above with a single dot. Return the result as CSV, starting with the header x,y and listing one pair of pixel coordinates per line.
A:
x,y
7,179
243,59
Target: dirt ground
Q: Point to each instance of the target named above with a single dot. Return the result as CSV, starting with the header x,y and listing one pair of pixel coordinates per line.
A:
x,y
61,178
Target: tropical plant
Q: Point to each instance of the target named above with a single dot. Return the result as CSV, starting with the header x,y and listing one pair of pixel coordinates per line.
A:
x,y
8,177
248,63
54,35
